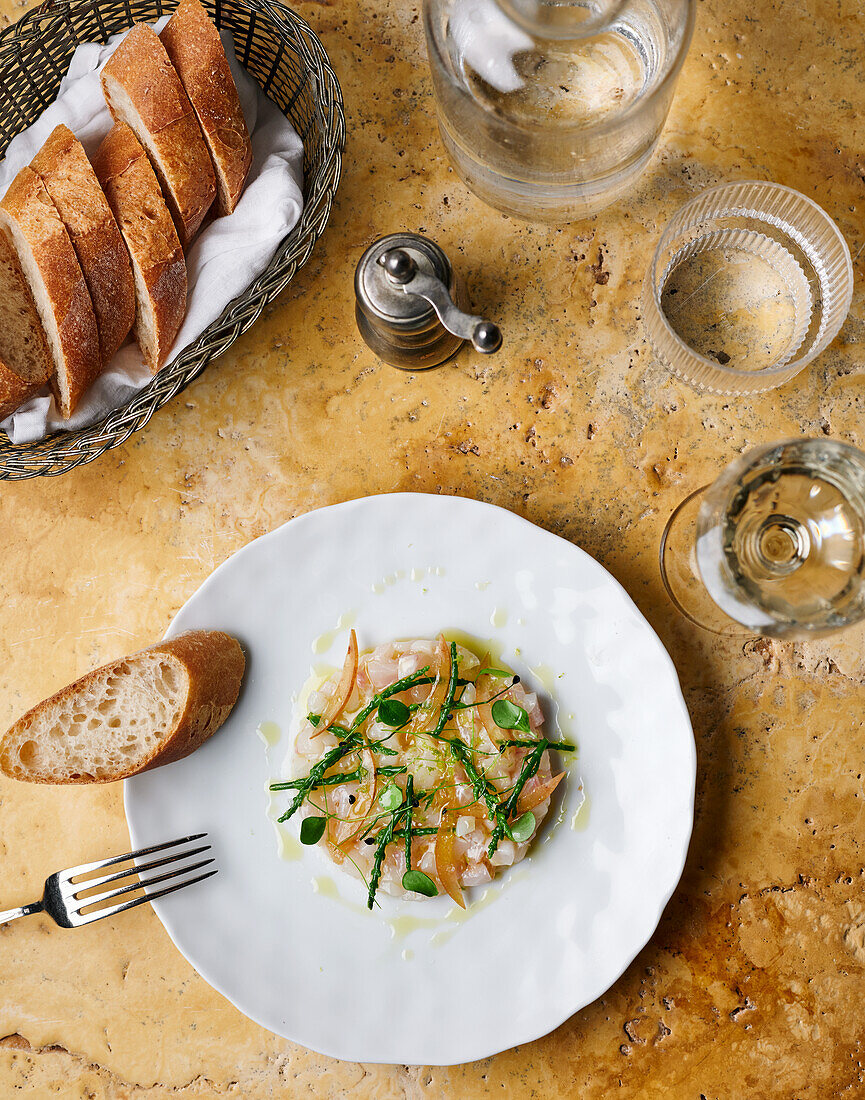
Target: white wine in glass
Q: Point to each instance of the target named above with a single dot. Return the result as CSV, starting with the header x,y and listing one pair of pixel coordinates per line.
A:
x,y
776,545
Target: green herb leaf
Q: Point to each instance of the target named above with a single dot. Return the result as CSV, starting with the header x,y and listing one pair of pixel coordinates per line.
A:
x,y
338,731
390,797
419,883
523,827
500,673
392,712
508,716
312,829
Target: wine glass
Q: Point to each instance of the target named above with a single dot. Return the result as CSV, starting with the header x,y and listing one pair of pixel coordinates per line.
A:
x,y
775,546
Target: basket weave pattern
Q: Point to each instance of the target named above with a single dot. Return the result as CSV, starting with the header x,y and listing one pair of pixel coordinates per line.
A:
x,y
282,53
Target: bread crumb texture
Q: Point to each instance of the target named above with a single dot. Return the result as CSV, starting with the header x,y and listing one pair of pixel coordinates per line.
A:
x,y
113,724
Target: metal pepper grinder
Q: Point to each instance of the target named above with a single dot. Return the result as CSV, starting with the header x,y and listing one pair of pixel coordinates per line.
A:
x,y
411,305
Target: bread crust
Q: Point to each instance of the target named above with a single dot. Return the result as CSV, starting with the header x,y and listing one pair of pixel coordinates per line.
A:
x,y
194,46
28,206
134,195
140,68
214,664
71,182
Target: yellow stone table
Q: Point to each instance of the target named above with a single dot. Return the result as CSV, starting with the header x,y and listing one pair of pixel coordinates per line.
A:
x,y
753,984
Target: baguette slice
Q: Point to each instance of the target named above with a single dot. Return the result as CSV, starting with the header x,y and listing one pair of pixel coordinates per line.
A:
x,y
158,266
14,390
51,267
193,44
63,167
142,89
23,346
137,713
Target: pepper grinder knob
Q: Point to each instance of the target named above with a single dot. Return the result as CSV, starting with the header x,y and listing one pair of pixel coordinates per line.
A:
x,y
487,337
399,266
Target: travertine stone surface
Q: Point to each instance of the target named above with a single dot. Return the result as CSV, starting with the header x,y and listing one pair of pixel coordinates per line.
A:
x,y
753,985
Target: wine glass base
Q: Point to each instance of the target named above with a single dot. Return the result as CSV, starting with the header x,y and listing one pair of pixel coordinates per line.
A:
x,y
677,559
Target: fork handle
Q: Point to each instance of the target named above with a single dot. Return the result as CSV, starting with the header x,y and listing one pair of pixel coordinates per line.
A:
x,y
23,911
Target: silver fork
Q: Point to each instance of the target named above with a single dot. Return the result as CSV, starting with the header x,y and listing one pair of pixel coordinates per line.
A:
x,y
62,899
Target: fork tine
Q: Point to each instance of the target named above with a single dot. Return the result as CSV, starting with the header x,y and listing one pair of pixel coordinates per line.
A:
x,y
175,872
93,882
97,865
112,910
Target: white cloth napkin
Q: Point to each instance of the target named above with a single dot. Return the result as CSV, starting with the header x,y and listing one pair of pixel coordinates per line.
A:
x,y
224,259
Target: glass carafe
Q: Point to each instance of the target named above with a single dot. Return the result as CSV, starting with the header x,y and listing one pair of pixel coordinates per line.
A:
x,y
551,109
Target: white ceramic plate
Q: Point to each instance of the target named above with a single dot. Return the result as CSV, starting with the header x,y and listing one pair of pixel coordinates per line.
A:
x,y
557,930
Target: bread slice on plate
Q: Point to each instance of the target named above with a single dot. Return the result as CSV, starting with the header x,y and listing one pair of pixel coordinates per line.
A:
x,y
132,715
193,44
53,273
142,89
63,167
158,266
25,361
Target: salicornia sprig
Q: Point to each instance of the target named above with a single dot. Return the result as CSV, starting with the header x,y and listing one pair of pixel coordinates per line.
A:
x,y
482,788
447,705
384,838
351,744
394,689
409,809
562,746
432,680
530,766
480,784
382,748
326,781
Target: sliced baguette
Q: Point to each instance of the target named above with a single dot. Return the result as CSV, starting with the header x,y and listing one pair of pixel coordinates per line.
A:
x,y
23,345
143,90
132,715
158,266
193,44
63,167
51,267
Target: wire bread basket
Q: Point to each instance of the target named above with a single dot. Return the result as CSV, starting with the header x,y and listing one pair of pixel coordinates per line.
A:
x,y
280,51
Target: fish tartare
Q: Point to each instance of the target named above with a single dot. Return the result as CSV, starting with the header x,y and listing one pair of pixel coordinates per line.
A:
x,y
421,768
